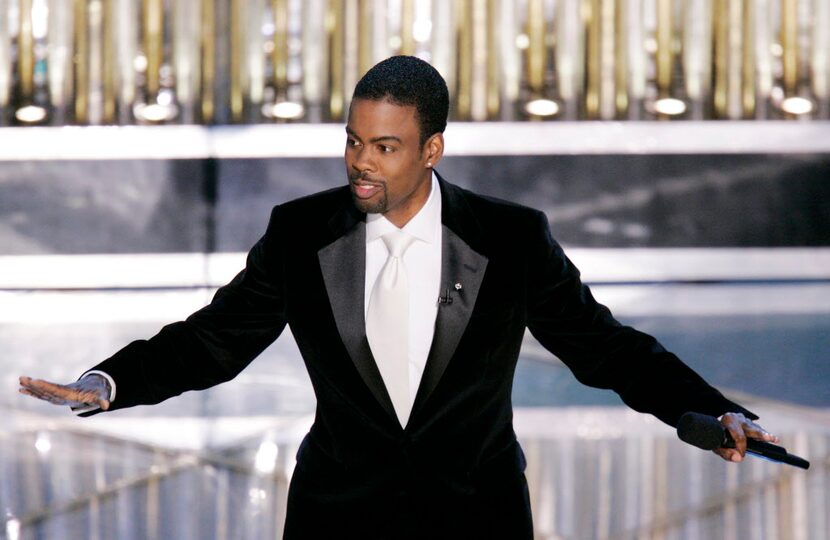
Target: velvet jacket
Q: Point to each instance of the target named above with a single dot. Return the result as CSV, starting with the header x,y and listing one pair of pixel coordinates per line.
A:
x,y
456,470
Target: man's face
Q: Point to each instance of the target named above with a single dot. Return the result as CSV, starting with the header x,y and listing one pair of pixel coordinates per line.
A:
x,y
389,171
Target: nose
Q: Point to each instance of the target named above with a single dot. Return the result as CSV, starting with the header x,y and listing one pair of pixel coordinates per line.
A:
x,y
362,160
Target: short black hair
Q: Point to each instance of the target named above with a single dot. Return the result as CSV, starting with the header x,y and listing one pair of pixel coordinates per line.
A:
x,y
409,81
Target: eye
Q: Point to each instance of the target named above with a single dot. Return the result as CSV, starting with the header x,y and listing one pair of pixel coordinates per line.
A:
x,y
385,149
352,143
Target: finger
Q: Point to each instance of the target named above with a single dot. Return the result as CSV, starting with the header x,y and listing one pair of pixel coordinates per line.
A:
x,y
729,454
94,398
44,397
52,393
734,422
46,388
755,431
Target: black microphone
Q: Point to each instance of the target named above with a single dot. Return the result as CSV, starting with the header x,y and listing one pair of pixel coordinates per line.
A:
x,y
707,433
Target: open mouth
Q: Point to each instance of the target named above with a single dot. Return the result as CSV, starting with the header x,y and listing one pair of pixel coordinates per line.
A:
x,y
365,191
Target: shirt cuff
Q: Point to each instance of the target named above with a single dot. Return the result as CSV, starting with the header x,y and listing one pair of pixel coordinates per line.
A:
x,y
90,408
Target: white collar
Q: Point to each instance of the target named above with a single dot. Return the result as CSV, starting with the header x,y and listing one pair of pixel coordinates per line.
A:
x,y
422,226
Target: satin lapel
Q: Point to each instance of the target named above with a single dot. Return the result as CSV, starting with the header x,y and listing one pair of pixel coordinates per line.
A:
x,y
343,263
461,265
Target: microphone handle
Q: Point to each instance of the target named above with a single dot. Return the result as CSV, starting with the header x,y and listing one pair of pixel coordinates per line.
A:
x,y
769,451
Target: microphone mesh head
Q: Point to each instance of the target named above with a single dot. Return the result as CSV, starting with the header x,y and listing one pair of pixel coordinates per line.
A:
x,y
700,430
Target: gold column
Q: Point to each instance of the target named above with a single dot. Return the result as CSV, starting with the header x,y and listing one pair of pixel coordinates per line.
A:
x,y
316,25
208,60
536,50
407,23
444,42
608,58
789,45
570,61
335,19
280,56
697,55
5,56
479,86
153,43
748,61
820,60
593,55
621,58
351,49
364,46
108,63
721,35
493,78
237,67
665,54
734,78
25,51
81,63
464,31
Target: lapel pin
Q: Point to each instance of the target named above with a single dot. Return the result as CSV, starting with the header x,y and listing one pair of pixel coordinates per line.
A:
x,y
457,286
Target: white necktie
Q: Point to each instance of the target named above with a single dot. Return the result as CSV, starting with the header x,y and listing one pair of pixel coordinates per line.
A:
x,y
387,323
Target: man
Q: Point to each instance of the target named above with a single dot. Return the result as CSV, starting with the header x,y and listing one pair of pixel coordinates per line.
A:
x,y
408,298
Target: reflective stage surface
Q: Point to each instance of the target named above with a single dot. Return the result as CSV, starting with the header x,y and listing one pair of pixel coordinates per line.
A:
x,y
216,464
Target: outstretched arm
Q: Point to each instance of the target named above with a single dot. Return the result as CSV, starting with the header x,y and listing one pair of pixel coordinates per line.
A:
x,y
211,346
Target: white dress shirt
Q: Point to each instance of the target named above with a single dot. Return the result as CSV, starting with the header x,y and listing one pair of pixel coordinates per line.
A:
x,y
423,270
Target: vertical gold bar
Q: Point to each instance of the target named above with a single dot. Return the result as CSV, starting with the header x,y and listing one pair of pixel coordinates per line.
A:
x,y
465,59
820,61
237,60
82,63
351,48
153,46
536,50
407,22
721,35
25,51
109,71
364,46
335,29
592,53
493,78
607,93
748,61
789,44
734,93
280,57
478,88
208,58
665,54
621,58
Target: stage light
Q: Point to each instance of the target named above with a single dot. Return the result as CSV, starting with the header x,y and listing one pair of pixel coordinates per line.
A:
x,y
285,110
669,106
13,529
797,105
155,112
30,114
266,457
542,107
42,444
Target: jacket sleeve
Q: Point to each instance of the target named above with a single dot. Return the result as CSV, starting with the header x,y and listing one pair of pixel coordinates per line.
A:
x,y
212,345
565,318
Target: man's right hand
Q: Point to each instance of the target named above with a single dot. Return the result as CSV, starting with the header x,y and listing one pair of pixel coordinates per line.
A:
x,y
91,391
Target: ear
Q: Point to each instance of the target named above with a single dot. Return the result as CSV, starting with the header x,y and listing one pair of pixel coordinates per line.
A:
x,y
433,150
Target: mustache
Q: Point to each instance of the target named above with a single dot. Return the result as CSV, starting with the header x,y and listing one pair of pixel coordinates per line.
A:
x,y
366,178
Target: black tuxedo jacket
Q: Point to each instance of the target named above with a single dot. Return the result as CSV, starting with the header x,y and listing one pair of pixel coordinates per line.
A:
x,y
456,471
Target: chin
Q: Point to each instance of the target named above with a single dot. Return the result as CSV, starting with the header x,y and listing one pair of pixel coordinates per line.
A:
x,y
369,206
